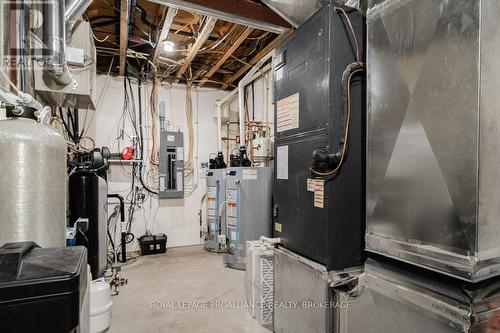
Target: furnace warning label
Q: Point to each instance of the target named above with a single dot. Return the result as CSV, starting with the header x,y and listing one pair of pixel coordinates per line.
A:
x,y
319,193
310,185
287,114
282,163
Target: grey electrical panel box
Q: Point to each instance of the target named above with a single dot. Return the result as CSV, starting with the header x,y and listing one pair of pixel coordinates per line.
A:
x,y
171,165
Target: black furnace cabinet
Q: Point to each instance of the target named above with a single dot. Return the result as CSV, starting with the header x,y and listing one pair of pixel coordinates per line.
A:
x,y
321,218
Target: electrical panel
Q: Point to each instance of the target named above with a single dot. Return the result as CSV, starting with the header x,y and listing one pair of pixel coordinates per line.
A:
x,y
171,165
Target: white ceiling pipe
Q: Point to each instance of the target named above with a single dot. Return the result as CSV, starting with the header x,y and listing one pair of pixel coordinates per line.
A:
x,y
73,10
227,98
241,97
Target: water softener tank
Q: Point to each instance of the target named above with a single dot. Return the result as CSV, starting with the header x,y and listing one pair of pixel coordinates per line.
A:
x,y
32,182
88,199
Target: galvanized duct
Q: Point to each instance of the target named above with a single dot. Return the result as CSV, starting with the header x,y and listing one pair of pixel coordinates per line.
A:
x,y
54,38
296,12
74,9
4,40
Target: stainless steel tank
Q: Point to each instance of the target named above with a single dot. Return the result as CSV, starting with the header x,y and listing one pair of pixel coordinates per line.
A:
x,y
32,183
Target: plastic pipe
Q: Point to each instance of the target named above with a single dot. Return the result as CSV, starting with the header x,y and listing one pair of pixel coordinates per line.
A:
x,y
241,94
228,97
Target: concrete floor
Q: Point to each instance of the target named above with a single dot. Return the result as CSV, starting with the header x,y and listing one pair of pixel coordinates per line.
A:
x,y
187,274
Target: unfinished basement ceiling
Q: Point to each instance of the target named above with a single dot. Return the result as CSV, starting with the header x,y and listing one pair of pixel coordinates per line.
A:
x,y
207,50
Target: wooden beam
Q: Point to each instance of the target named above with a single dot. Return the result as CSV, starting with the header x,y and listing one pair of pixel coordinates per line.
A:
x,y
124,10
167,22
226,55
275,42
202,38
243,12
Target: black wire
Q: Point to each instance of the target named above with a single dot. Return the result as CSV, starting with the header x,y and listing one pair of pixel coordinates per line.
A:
x,y
141,139
85,237
66,125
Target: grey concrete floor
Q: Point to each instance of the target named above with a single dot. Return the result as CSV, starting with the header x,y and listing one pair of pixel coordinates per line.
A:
x,y
186,274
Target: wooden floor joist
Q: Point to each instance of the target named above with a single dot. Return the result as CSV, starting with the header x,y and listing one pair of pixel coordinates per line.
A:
x,y
167,22
202,38
124,19
255,59
226,55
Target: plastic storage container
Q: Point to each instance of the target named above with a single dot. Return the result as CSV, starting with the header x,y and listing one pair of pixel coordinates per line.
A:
x,y
153,244
41,289
100,306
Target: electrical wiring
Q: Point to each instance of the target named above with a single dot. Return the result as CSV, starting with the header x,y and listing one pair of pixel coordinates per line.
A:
x,y
221,40
353,34
114,216
188,162
6,77
346,129
154,115
351,70
66,126
141,138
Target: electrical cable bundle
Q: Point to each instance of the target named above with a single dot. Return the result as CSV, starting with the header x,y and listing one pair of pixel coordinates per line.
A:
x,y
321,157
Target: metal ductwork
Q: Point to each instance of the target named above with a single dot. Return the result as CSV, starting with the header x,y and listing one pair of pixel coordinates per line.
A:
x,y
74,9
67,76
54,37
297,12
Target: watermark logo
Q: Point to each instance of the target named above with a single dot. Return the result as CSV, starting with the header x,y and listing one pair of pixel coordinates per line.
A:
x,y
25,41
228,305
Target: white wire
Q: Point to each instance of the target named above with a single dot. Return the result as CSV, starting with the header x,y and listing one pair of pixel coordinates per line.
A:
x,y
9,81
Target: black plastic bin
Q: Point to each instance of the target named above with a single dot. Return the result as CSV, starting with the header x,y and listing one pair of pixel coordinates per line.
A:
x,y
153,244
41,289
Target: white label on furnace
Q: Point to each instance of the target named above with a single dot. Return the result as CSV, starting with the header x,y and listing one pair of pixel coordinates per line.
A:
x,y
279,74
287,114
282,163
319,193
170,138
233,235
250,174
311,185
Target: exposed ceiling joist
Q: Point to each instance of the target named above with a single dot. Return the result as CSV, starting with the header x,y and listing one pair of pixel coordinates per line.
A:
x,y
226,55
124,10
167,22
202,38
244,12
255,59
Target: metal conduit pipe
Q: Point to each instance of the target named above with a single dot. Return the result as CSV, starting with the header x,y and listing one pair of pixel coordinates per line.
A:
x,y
227,98
241,91
54,38
74,9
